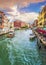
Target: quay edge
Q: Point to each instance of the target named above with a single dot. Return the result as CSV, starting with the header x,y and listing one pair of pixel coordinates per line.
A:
x,y
41,41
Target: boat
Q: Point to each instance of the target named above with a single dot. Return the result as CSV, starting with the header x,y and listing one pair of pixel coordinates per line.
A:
x,y
32,36
10,34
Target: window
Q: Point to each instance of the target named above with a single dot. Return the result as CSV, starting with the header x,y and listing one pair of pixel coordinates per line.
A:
x,y
0,20
45,16
40,23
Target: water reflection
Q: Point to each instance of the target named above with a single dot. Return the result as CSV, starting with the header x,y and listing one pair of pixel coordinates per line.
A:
x,y
2,37
42,53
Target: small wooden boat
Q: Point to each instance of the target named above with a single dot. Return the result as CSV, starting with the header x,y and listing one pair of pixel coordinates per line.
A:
x,y
11,34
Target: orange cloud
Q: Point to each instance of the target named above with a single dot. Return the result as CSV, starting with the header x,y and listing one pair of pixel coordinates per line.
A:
x,y
21,3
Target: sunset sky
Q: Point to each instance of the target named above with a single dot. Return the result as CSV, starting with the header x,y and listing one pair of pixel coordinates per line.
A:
x,y
25,10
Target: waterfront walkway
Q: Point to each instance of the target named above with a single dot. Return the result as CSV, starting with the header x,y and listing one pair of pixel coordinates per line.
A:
x,y
2,33
40,37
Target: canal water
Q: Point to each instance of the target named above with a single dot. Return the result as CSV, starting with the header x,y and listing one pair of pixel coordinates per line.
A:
x,y
19,50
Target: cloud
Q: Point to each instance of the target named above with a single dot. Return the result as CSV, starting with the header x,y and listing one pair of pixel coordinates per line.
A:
x,y
21,3
26,17
24,3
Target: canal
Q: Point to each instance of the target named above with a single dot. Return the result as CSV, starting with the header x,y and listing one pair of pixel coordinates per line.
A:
x,y
19,50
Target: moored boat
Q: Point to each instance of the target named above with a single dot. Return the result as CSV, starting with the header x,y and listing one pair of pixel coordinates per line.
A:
x,y
10,34
32,36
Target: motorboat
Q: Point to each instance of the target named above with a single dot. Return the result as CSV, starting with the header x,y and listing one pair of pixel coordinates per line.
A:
x,y
32,36
10,34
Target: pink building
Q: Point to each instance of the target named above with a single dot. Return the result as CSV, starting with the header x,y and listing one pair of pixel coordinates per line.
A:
x,y
19,24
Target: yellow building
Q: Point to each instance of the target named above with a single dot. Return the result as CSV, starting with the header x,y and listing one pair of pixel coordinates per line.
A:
x,y
42,18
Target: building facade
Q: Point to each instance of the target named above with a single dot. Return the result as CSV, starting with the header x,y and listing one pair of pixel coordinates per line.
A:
x,y
3,22
35,24
11,26
42,18
20,24
17,24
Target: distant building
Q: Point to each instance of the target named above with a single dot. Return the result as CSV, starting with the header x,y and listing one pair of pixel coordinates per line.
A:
x,y
11,26
19,24
35,24
42,18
